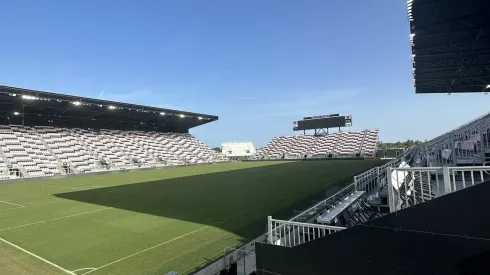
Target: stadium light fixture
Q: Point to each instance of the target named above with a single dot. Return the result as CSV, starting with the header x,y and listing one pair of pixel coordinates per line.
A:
x,y
162,113
112,107
16,113
29,97
181,115
77,103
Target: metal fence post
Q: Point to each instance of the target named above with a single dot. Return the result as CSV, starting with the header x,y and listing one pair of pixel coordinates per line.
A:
x,y
355,183
391,199
447,180
269,228
377,179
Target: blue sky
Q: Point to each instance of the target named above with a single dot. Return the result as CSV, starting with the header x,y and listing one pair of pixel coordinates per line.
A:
x,y
258,65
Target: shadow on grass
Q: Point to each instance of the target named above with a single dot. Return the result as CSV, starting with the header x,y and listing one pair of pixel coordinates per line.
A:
x,y
237,201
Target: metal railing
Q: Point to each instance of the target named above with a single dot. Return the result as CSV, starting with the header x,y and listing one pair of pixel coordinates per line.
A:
x,y
466,144
374,179
318,207
289,233
410,186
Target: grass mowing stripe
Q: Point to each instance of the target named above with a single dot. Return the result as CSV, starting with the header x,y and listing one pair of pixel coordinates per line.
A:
x,y
55,219
37,257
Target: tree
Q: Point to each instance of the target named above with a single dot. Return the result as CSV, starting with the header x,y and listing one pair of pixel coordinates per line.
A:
x,y
399,144
217,149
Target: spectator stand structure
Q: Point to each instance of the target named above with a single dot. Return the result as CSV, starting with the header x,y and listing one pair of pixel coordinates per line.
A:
x,y
47,134
334,145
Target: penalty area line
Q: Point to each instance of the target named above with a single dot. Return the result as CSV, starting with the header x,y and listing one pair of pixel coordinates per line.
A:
x,y
37,257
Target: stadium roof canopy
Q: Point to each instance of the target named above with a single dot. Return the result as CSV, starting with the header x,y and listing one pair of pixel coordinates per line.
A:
x,y
450,42
31,107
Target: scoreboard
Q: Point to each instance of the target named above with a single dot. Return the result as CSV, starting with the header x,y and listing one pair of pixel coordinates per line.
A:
x,y
321,122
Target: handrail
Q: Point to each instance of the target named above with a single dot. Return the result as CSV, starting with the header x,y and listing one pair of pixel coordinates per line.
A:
x,y
322,202
317,225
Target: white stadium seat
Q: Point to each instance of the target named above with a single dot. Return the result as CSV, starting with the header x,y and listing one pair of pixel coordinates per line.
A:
x,y
48,151
360,143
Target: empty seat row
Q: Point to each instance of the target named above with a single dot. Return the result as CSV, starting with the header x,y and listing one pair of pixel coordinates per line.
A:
x,y
336,144
47,151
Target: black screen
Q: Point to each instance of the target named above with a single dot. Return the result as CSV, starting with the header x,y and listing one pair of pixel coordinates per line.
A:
x,y
329,122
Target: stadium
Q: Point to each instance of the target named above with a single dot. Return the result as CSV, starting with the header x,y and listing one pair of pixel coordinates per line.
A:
x,y
91,186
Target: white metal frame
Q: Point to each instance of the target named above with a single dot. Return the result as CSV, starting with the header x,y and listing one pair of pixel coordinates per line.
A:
x,y
440,181
289,233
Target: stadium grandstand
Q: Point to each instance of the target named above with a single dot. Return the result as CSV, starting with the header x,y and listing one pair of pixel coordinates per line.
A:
x,y
333,145
47,134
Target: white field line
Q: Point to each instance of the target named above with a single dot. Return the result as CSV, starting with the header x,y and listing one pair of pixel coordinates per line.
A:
x,y
192,232
37,257
55,219
80,269
11,208
13,204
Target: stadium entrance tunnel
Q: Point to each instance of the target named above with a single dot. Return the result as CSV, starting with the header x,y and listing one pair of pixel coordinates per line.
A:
x,y
237,199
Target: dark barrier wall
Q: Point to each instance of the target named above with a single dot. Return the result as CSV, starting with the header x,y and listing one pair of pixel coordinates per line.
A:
x,y
449,235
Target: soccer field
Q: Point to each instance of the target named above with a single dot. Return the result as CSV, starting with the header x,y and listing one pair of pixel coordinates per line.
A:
x,y
153,221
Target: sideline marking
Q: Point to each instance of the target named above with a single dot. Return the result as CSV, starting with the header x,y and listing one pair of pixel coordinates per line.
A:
x,y
192,232
37,257
55,219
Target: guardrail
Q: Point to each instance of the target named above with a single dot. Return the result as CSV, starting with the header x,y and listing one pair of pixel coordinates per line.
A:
x,y
409,186
315,209
375,178
289,233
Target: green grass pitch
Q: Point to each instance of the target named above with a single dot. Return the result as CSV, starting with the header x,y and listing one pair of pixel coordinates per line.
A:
x,y
153,221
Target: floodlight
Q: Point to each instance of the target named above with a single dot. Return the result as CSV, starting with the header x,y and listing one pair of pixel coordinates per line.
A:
x,y
200,118
16,113
182,115
29,97
162,113
77,103
112,107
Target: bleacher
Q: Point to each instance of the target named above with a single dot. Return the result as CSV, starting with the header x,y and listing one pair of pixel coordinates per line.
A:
x,y
360,143
48,151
